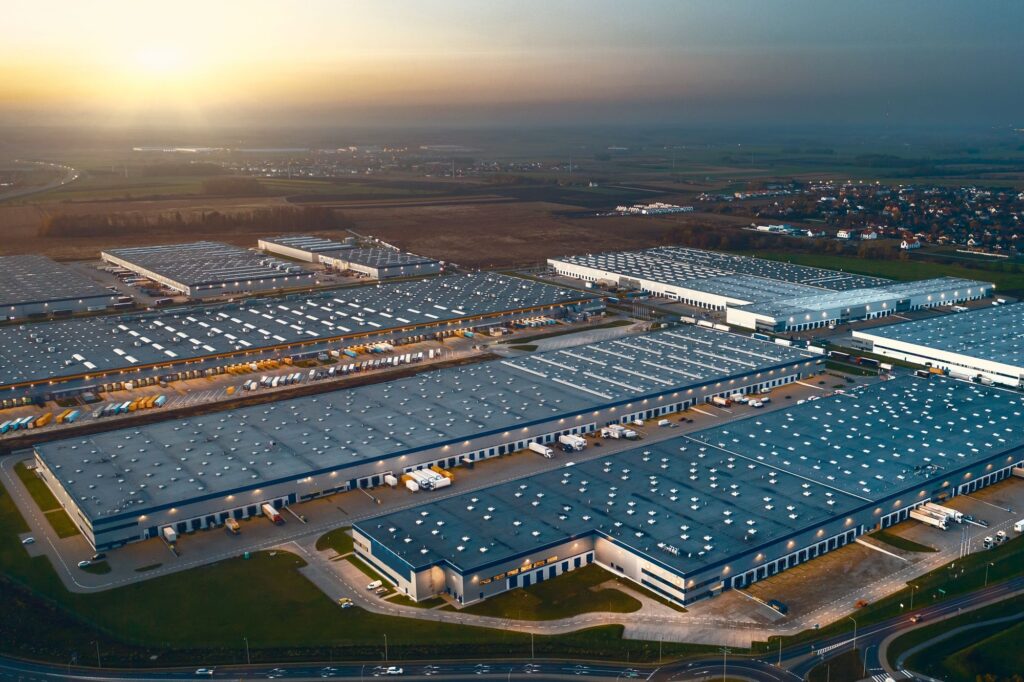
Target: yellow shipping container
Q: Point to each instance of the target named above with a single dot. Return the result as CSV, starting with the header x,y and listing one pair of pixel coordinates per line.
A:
x,y
44,420
63,415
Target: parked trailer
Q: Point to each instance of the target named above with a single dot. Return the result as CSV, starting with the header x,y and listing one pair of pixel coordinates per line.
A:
x,y
951,514
719,401
575,442
169,534
541,450
233,526
929,518
271,513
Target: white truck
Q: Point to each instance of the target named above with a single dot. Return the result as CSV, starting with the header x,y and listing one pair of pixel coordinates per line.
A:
x,y
574,442
271,513
618,431
929,517
1019,526
951,514
170,535
541,450
719,401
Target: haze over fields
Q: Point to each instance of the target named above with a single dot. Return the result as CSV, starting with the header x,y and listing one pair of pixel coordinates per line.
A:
x,y
331,63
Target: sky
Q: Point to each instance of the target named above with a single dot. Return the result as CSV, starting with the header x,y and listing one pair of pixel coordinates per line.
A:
x,y
431,63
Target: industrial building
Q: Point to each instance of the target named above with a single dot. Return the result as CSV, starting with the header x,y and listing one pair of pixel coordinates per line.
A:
x,y
763,294
690,517
35,286
374,262
71,356
195,473
304,247
381,263
208,269
831,308
986,344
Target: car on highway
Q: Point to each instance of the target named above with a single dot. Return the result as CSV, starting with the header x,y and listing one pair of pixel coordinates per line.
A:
x,y
28,541
204,672
393,670
916,618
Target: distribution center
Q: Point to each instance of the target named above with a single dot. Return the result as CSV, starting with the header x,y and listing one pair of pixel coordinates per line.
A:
x,y
129,484
986,344
35,286
766,295
721,508
72,356
208,269
373,262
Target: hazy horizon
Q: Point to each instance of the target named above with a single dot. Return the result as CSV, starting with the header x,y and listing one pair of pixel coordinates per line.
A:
x,y
200,66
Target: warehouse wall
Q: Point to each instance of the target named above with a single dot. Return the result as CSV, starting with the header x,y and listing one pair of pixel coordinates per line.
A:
x,y
963,365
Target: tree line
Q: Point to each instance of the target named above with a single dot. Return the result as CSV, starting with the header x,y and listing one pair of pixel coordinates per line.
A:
x,y
200,223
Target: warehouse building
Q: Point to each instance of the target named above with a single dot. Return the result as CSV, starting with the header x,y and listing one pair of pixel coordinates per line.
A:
x,y
381,263
208,269
986,344
195,473
35,286
304,247
766,295
76,355
690,517
831,308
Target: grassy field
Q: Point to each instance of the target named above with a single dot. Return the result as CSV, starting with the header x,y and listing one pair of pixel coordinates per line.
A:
x,y
898,269
900,542
203,614
338,539
846,667
36,488
62,523
570,595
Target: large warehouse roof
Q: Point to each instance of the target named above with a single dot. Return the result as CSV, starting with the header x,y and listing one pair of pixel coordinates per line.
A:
x,y
199,263
881,296
382,258
995,333
694,501
52,350
701,270
308,243
37,279
169,463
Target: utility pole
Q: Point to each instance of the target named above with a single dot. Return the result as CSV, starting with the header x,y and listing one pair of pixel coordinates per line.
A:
x,y
913,588
725,659
780,651
248,659
986,573
99,663
385,647
854,631
531,646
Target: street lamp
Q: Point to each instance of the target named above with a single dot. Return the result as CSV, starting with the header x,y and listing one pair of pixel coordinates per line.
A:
x,y
725,657
385,647
913,588
986,573
248,659
854,631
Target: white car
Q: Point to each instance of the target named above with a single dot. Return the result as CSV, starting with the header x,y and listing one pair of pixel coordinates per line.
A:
x,y
374,585
204,672
393,670
84,564
28,541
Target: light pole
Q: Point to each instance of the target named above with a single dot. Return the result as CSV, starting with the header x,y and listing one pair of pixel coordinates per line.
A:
x,y
854,631
385,647
986,573
725,661
913,588
531,646
780,651
99,663
248,659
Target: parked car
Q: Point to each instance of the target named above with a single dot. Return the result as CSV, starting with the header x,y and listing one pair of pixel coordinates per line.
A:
x,y
84,564
374,585
345,603
28,541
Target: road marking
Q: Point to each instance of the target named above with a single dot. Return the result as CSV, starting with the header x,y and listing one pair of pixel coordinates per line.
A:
x,y
860,541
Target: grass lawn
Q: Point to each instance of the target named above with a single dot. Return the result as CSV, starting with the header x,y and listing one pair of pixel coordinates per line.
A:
x,y
36,488
925,657
897,269
62,523
568,595
204,614
900,542
338,539
846,667
996,652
